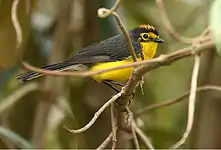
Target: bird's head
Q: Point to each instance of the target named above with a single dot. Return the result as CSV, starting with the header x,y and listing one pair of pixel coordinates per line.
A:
x,y
146,33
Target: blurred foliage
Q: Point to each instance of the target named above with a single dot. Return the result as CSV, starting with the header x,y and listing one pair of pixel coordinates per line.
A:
x,y
73,101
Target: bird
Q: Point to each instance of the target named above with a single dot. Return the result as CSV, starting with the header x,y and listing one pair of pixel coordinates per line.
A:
x,y
112,52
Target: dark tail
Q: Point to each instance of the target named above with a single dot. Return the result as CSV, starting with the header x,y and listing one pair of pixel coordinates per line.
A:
x,y
32,75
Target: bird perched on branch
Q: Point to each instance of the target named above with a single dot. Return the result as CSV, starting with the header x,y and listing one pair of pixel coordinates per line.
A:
x,y
111,52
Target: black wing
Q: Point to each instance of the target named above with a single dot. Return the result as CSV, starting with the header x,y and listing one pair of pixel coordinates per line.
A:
x,y
111,49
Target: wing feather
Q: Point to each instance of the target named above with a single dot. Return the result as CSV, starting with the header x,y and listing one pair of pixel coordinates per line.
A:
x,y
111,49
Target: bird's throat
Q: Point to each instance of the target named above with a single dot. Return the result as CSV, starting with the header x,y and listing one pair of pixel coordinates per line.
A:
x,y
149,49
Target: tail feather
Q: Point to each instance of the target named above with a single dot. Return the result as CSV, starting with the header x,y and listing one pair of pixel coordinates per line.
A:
x,y
32,75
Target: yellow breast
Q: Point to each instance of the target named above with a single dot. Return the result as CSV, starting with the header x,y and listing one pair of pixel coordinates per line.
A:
x,y
149,49
121,75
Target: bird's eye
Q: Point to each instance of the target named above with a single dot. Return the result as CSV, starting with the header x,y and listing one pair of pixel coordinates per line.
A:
x,y
145,36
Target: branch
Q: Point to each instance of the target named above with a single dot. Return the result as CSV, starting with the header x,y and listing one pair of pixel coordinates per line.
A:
x,y
110,11
143,137
96,115
113,125
192,100
206,32
16,24
132,122
161,61
136,143
176,100
105,142
103,12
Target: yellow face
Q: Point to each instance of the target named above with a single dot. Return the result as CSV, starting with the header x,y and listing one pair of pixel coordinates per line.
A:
x,y
146,36
150,37
149,42
147,33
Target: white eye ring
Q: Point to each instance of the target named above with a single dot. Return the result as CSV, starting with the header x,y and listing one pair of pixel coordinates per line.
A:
x,y
144,36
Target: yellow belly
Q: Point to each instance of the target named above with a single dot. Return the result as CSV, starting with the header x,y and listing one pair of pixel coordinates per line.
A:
x,y
119,75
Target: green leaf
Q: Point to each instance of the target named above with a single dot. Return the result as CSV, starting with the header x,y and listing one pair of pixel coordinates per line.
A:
x,y
215,23
14,138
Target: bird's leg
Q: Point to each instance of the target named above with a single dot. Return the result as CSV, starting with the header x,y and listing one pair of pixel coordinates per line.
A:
x,y
116,83
107,82
142,55
109,85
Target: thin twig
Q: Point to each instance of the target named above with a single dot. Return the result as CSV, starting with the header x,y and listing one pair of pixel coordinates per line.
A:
x,y
111,10
153,63
167,103
96,115
205,32
132,122
127,36
16,24
143,137
105,142
192,100
17,95
113,125
104,11
204,36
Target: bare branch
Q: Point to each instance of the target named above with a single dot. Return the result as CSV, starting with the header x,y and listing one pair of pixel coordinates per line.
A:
x,y
143,137
205,32
105,142
16,24
111,10
192,100
167,103
162,60
132,122
96,115
104,11
113,125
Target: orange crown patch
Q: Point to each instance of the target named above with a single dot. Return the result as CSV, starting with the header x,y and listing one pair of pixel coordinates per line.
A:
x,y
147,26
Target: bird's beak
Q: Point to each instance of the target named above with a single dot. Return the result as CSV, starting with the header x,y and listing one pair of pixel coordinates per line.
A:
x,y
159,40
